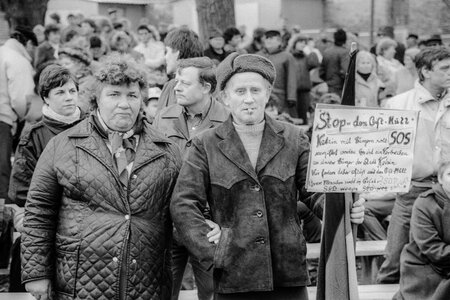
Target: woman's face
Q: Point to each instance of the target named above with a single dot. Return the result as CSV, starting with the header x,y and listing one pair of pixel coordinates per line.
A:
x,y
389,52
300,45
62,100
69,63
364,65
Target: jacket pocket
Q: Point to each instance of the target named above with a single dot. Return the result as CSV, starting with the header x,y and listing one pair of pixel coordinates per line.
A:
x,y
66,271
222,248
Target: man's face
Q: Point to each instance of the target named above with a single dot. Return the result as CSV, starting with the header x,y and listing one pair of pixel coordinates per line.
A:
x,y
119,105
444,179
272,42
63,99
54,37
246,94
217,42
171,60
411,42
439,75
188,89
144,35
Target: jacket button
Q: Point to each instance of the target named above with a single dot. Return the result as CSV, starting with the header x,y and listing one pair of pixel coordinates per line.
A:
x,y
188,144
259,214
134,176
256,188
127,217
115,259
133,261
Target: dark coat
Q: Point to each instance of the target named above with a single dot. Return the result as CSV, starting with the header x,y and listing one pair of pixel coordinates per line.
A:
x,y
167,96
425,261
172,122
44,53
91,237
285,85
261,245
304,63
29,149
333,68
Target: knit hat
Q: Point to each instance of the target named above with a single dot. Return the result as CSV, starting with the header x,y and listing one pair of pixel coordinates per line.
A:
x,y
241,63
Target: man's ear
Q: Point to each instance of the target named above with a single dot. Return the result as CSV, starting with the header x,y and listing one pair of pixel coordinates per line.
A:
x,y
425,72
206,88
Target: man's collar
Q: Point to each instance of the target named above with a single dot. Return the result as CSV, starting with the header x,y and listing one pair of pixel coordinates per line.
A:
x,y
425,95
203,112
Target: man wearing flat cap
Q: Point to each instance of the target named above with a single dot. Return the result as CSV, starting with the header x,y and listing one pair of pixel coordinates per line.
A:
x,y
250,170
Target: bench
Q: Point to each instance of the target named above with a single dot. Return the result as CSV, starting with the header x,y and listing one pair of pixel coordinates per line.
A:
x,y
366,292
367,250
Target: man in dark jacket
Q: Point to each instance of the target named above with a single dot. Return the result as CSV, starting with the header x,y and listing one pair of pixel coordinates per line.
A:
x,y
285,85
97,223
335,62
180,44
195,113
249,170
215,51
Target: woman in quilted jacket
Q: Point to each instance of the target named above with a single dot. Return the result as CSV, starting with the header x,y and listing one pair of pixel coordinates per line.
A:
x,y
97,222
58,89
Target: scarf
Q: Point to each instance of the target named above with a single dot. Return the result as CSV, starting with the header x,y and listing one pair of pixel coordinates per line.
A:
x,y
50,113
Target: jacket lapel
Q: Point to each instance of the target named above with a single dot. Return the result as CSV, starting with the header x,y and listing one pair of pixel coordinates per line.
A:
x,y
272,142
231,146
147,150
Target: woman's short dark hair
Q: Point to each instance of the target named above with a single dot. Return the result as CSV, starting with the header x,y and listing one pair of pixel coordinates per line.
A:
x,y
186,41
229,33
206,72
428,57
118,69
54,76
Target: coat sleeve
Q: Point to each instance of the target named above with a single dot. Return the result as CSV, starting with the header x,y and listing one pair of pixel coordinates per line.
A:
x,y
427,237
291,69
189,200
24,164
20,84
41,216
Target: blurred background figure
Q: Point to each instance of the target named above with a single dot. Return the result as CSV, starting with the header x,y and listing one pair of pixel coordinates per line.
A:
x,y
406,76
233,39
215,50
367,84
387,64
258,41
412,41
150,47
48,50
151,104
38,30
121,43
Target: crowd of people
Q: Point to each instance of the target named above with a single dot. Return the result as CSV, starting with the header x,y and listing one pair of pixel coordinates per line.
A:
x,y
138,154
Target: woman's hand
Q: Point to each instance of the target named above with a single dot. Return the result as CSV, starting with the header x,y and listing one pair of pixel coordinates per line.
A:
x,y
214,235
40,289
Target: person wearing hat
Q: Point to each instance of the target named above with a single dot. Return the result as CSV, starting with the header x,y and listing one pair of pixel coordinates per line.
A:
x,y
434,41
412,41
215,50
16,82
48,50
250,171
285,85
257,43
150,47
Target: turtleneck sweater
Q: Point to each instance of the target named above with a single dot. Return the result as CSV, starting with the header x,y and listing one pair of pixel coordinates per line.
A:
x,y
251,136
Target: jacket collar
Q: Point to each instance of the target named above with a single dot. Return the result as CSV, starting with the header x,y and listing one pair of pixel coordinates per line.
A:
x,y
423,95
18,47
91,141
443,201
217,114
232,147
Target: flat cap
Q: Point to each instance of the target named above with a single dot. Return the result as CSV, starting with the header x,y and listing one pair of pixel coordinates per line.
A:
x,y
240,63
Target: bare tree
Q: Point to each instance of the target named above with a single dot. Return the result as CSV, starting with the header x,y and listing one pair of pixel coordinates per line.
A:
x,y
24,12
214,15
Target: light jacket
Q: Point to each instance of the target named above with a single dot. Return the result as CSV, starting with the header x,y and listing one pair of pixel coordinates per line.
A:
x,y
16,81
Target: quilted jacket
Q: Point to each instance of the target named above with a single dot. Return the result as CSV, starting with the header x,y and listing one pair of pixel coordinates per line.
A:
x,y
31,144
261,246
93,238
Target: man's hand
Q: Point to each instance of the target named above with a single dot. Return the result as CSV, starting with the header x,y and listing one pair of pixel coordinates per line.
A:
x,y
40,289
357,212
214,235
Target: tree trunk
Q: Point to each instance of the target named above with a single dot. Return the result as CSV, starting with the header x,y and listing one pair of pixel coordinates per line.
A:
x,y
214,15
24,12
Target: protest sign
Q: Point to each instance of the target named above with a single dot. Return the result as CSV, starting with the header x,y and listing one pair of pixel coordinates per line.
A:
x,y
355,149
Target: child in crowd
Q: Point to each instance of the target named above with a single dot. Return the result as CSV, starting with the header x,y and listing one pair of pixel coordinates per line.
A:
x,y
425,261
367,84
